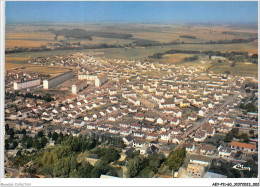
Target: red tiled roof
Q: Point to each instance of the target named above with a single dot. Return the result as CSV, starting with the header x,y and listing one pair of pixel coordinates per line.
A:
x,y
244,145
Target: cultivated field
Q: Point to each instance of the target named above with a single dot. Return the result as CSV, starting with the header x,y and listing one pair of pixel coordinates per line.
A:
x,y
35,36
28,39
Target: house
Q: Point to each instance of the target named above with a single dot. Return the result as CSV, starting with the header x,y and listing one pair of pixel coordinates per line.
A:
x,y
112,92
199,159
135,126
177,113
189,147
134,101
74,132
103,128
150,118
174,121
207,149
192,117
47,117
79,123
138,143
167,104
152,136
176,139
177,100
57,119
224,151
247,123
128,140
209,129
102,113
91,126
168,111
72,115
176,131
184,124
132,110
147,128
125,132
213,121
161,120
88,118
224,128
184,103
165,136
229,122
165,128
202,112
125,112
200,136
113,117
246,147
158,99
139,116
124,125
139,134
114,130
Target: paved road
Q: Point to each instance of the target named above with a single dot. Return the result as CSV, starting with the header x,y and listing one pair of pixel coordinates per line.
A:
x,y
209,116
14,172
149,104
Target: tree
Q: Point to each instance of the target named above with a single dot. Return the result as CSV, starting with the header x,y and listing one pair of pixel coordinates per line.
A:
x,y
74,174
11,133
23,132
43,142
7,128
73,162
54,136
134,166
238,154
29,143
6,145
40,134
146,173
15,144
244,138
36,144
252,132
111,155
176,159
19,153
49,134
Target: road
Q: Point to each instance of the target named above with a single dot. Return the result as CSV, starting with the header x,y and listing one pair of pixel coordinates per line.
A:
x,y
150,104
14,172
209,116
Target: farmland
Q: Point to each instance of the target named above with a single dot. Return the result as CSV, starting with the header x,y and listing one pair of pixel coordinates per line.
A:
x,y
31,36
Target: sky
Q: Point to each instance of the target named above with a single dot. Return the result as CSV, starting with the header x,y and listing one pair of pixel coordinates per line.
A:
x,y
132,11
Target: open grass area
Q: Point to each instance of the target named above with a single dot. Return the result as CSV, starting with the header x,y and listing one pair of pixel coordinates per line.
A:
x,y
175,58
239,69
19,62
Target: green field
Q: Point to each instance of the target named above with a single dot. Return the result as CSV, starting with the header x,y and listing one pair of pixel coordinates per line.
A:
x,y
239,69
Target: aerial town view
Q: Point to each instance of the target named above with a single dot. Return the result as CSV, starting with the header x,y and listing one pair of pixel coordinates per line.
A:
x,y
131,89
